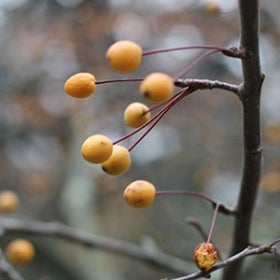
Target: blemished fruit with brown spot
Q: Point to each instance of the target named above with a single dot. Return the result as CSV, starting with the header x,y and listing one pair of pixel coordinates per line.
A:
x,y
140,193
119,161
205,256
136,114
97,148
157,87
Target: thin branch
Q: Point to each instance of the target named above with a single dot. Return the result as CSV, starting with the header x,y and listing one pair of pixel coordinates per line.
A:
x,y
7,272
249,251
64,232
208,84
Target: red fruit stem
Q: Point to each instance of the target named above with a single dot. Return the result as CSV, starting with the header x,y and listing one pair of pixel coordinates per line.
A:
x,y
152,119
188,193
119,80
213,222
160,114
201,47
193,64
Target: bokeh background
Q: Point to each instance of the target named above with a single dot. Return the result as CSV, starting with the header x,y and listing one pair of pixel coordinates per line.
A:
x,y
197,146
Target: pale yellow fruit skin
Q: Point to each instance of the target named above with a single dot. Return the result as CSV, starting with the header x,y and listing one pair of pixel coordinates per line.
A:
x,y
20,252
140,193
80,85
8,201
118,163
136,114
157,87
124,56
97,148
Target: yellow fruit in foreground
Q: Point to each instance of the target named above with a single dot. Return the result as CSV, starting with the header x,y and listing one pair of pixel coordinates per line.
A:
x,y
119,161
136,114
140,193
8,201
97,148
157,87
80,85
205,256
20,252
124,56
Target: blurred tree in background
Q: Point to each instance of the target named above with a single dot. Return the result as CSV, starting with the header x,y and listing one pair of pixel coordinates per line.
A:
x,y
198,147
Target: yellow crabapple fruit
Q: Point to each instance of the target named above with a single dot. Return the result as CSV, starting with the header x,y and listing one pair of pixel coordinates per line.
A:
x,y
97,148
205,256
20,252
8,201
157,87
124,56
119,161
136,114
212,7
140,193
80,85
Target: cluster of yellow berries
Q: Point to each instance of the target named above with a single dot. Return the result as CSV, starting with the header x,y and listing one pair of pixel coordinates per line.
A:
x,y
114,159
124,57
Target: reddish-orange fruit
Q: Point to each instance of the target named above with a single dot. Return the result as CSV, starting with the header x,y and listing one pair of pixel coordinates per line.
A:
x,y
80,85
119,161
8,201
124,56
205,256
20,252
140,193
97,148
136,114
157,87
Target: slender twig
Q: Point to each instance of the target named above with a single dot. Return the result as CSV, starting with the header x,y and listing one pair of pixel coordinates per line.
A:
x,y
207,84
217,206
249,251
193,64
57,230
7,272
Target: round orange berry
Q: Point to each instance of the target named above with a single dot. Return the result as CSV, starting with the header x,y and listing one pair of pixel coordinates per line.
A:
x,y
80,85
157,87
205,256
119,161
8,201
124,56
136,114
140,193
97,148
20,252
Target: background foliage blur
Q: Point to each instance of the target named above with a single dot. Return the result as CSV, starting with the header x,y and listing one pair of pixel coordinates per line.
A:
x,y
197,146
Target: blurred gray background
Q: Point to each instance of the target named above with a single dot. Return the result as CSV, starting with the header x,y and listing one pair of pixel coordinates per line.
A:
x,y
197,146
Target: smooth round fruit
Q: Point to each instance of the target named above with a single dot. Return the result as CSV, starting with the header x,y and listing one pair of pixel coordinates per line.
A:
x,y
97,148
20,252
8,201
124,56
139,193
119,161
80,85
205,256
136,114
157,87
